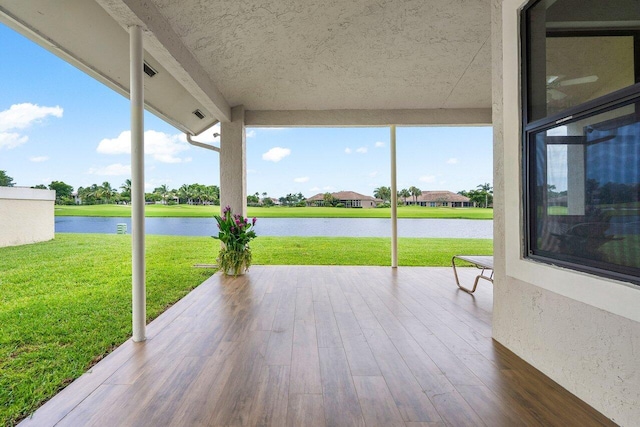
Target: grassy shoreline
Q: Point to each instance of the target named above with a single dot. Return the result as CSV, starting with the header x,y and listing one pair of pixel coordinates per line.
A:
x,y
66,303
276,212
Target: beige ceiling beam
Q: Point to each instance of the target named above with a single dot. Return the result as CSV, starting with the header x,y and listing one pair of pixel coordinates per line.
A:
x,y
347,118
166,47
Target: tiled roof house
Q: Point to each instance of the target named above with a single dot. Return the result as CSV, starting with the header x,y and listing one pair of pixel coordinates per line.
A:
x,y
350,199
440,198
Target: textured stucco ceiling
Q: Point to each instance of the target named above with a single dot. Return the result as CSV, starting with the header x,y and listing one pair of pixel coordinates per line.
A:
x,y
414,61
337,54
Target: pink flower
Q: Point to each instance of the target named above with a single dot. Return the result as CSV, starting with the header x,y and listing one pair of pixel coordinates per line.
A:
x,y
254,220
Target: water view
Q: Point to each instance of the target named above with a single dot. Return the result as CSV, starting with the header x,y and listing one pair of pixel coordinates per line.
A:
x,y
330,227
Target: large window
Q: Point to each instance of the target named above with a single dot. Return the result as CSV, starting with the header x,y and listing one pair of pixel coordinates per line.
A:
x,y
581,138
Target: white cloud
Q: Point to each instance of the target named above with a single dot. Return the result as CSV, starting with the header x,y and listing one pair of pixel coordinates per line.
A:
x,y
251,133
314,189
347,150
361,150
21,116
161,146
11,140
301,179
327,188
39,159
427,178
276,154
116,169
452,161
373,174
379,144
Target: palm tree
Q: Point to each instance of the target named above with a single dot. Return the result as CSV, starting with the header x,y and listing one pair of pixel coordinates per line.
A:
x,y
415,192
125,194
184,192
404,193
106,191
383,193
162,191
126,187
486,188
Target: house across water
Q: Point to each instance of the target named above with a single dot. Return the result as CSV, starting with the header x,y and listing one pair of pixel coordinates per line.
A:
x,y
435,199
349,199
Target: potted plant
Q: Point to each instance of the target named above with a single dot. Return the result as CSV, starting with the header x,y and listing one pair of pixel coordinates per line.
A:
x,y
235,233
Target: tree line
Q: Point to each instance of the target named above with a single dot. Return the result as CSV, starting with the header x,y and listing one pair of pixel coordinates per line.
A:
x,y
199,194
482,195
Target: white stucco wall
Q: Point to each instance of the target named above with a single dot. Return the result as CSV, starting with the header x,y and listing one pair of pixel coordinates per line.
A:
x,y
581,330
26,215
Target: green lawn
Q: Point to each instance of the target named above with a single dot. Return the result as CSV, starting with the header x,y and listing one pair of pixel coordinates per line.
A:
x,y
67,302
278,212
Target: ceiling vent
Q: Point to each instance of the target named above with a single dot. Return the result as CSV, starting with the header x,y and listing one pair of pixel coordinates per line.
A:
x,y
148,70
199,114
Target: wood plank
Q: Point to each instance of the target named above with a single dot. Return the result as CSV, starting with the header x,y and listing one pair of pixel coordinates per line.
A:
x,y
272,397
234,405
378,406
156,407
407,393
196,404
319,291
341,405
359,355
305,363
107,395
265,313
493,410
280,344
306,410
364,315
326,326
433,424
428,375
455,371
304,304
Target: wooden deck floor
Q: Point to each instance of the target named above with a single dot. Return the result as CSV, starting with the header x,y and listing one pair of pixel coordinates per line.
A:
x,y
316,346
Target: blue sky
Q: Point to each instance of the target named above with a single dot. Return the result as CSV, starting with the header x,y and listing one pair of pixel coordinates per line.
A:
x,y
56,123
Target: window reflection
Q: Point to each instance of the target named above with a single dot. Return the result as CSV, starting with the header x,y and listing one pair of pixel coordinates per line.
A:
x,y
578,52
588,189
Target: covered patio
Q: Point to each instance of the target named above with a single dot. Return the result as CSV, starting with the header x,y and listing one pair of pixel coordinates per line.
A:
x,y
344,346
316,346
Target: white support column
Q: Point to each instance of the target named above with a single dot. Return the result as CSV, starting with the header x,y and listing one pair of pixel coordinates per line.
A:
x,y
233,163
139,304
394,201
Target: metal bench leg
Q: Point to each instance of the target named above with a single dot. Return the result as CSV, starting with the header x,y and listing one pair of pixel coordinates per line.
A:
x,y
475,283
455,273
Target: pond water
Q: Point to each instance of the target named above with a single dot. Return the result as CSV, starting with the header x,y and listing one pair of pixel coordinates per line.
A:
x,y
331,227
